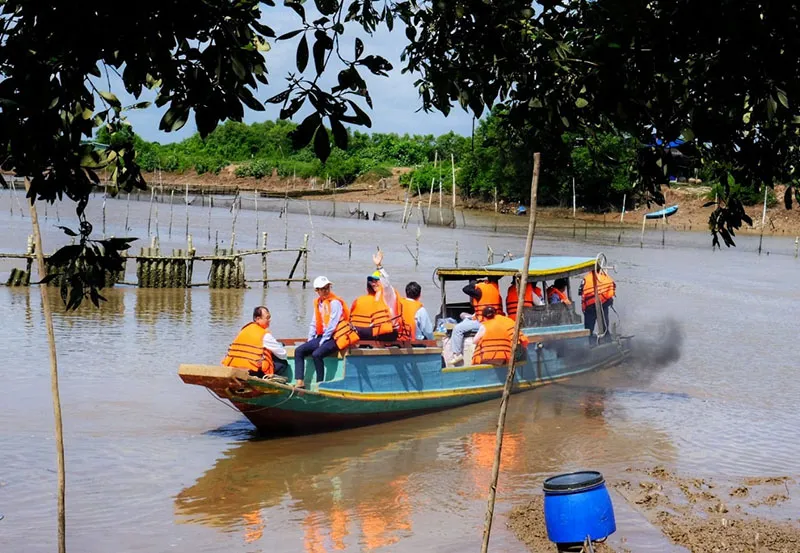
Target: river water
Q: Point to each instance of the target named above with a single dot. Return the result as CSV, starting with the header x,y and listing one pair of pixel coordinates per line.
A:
x,y
154,465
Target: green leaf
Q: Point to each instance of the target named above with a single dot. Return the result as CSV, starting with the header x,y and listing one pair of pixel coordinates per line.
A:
x,y
110,98
782,98
688,134
302,54
322,144
339,133
581,103
302,135
290,34
359,47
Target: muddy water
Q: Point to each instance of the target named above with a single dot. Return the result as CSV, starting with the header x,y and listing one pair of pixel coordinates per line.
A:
x,y
155,465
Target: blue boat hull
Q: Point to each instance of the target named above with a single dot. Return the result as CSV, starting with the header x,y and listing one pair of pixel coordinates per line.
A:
x,y
374,387
666,212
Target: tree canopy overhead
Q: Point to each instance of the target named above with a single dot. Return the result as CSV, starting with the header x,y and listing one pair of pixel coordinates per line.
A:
x,y
722,74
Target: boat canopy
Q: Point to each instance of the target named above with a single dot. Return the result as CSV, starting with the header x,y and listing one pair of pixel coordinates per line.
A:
x,y
549,267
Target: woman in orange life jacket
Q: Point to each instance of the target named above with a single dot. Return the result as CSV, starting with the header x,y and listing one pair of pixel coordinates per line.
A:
x,y
494,339
557,293
533,296
605,288
482,294
256,349
328,332
375,315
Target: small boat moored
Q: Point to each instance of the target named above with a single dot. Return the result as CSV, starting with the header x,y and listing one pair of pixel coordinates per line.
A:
x,y
374,382
662,213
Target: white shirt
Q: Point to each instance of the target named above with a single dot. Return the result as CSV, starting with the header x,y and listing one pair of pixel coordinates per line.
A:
x,y
274,345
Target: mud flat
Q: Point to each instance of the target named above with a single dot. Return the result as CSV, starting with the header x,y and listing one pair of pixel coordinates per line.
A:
x,y
746,515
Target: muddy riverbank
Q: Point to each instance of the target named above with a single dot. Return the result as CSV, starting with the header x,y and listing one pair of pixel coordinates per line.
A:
x,y
691,215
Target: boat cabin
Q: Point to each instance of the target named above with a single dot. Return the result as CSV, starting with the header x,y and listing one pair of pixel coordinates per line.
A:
x,y
542,272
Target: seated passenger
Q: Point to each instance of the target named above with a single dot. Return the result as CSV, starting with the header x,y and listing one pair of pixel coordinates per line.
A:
x,y
374,314
417,324
482,294
256,349
533,296
494,339
328,333
557,293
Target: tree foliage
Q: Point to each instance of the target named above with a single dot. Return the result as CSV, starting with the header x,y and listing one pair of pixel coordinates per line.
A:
x,y
723,74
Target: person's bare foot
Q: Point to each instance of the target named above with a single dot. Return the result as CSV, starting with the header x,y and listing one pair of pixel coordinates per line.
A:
x,y
300,384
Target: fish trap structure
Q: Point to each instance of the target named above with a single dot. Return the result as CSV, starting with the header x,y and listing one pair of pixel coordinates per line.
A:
x,y
156,269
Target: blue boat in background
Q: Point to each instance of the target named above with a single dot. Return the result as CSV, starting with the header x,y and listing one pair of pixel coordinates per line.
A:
x,y
660,214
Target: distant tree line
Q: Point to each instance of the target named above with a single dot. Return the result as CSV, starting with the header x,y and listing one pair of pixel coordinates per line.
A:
x,y
497,159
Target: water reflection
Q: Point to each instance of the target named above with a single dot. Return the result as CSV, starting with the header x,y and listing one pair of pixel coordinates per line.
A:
x,y
225,306
364,486
167,304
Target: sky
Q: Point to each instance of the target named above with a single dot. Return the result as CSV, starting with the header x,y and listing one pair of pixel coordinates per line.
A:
x,y
395,99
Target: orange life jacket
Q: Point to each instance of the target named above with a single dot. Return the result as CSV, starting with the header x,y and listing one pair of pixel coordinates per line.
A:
x,y
512,298
495,344
606,288
408,326
247,351
369,311
555,292
490,296
344,334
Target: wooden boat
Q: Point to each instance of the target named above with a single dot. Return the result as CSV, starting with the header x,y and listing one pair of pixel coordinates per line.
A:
x,y
660,214
375,382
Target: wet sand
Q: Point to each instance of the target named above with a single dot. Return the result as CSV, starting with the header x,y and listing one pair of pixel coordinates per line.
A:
x,y
155,465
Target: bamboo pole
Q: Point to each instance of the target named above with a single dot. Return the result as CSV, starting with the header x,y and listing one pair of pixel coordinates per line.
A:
x,y
501,421
171,198
641,240
150,209
441,217
286,220
796,244
264,259
430,198
574,200
16,197
210,205
310,219
105,197
763,220
456,257
190,261
453,166
416,257
187,210
127,211
233,223
51,342
305,259
405,210
255,202
622,214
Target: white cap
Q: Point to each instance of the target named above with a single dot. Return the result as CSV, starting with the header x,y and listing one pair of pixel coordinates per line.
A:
x,y
321,282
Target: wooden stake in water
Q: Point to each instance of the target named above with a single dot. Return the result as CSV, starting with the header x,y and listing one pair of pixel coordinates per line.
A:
x,y
796,243
501,421
187,210
349,249
495,200
453,165
264,276
430,198
150,209
763,220
622,214
255,202
16,197
51,342
641,240
310,220
456,257
416,257
105,196
441,216
233,223
171,199
127,210
286,222
210,206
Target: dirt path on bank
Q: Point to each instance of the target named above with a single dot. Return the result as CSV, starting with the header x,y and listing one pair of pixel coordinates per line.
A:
x,y
699,514
691,215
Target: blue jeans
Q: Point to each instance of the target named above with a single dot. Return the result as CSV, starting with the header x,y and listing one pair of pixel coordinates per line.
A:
x,y
590,315
467,325
318,352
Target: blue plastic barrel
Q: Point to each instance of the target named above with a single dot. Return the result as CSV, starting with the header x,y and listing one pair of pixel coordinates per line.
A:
x,y
577,505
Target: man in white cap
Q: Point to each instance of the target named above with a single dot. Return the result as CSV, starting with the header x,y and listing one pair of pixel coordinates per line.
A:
x,y
328,332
